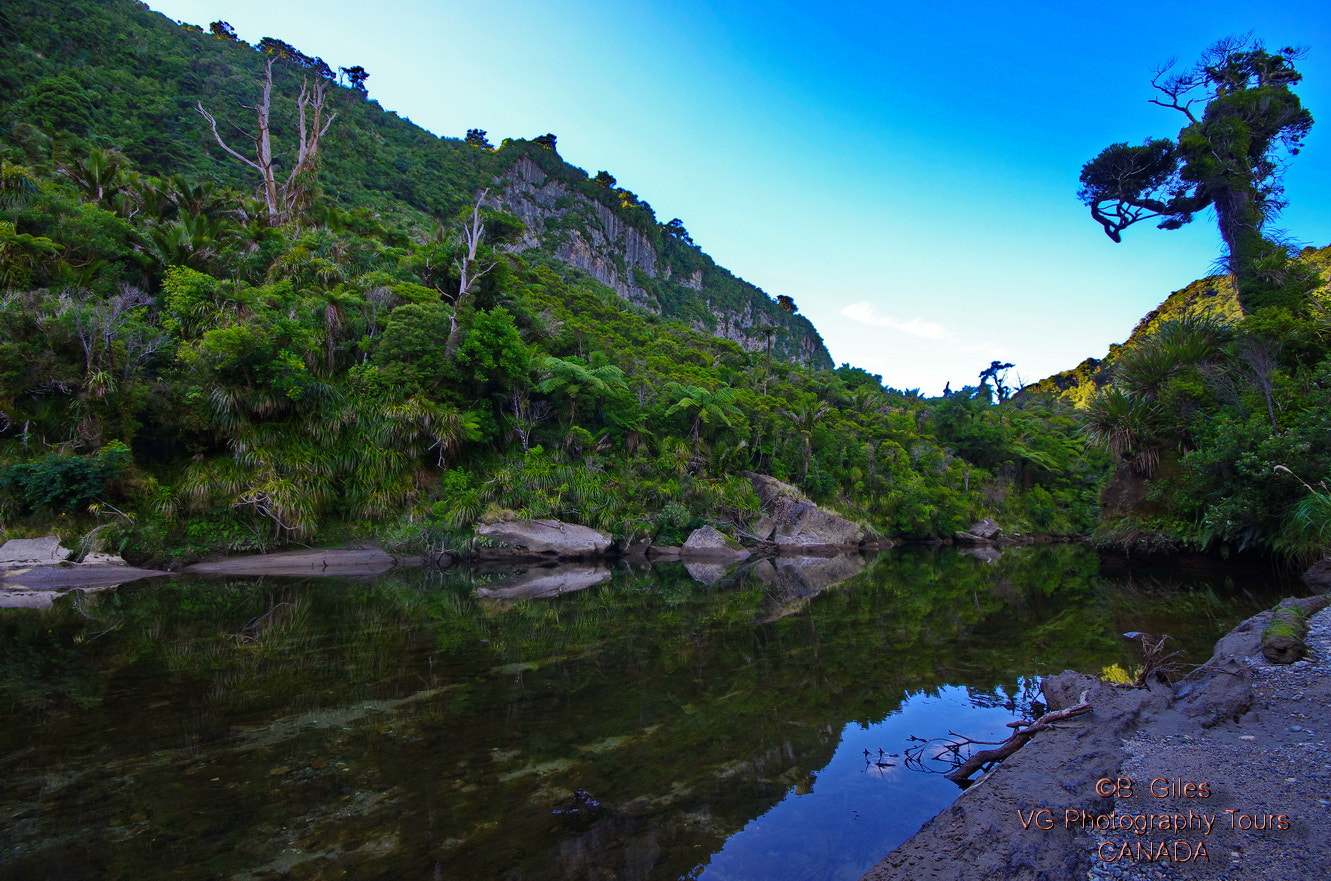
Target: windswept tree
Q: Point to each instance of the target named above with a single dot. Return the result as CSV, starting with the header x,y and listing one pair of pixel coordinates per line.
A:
x,y
355,77
997,371
223,30
1242,119
675,229
283,196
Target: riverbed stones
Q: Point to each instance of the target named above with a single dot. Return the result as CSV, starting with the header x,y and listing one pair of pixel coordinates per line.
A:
x,y
544,537
42,551
980,836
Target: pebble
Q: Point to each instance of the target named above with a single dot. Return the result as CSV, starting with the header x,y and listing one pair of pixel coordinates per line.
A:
x,y
1295,728
1247,738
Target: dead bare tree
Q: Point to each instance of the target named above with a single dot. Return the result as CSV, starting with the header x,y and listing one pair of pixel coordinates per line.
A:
x,y
283,197
525,415
469,268
1261,360
1157,663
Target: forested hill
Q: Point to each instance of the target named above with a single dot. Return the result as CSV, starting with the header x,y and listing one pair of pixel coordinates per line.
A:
x,y
195,361
123,77
1213,298
385,334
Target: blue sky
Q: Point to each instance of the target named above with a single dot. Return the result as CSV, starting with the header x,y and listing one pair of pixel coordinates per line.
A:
x,y
907,173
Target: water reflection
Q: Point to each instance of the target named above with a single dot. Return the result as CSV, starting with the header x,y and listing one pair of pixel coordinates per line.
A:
x,y
582,723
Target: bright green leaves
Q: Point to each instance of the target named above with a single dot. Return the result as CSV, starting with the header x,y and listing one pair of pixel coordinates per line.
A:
x,y
493,353
410,353
713,408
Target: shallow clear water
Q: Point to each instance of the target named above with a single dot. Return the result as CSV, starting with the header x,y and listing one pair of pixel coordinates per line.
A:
x,y
452,725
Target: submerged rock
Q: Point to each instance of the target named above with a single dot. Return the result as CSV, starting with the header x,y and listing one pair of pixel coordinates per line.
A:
x,y
545,537
706,570
326,561
796,580
984,553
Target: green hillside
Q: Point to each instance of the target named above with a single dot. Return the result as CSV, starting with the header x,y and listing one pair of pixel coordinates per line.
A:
x,y
399,336
1219,421
140,93
381,356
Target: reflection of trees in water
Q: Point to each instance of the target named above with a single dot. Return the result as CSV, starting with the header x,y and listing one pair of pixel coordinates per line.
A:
x,y
1020,697
684,710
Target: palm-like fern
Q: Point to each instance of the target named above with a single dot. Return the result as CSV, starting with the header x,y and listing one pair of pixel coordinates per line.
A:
x,y
1130,426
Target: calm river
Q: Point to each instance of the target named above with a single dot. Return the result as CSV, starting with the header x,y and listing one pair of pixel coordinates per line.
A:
x,y
653,724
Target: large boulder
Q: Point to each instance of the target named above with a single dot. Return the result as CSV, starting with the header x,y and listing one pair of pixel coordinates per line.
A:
x,y
545,537
984,532
802,526
33,551
1319,575
708,542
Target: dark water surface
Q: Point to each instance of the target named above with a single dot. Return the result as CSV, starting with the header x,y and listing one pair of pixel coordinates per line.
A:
x,y
459,725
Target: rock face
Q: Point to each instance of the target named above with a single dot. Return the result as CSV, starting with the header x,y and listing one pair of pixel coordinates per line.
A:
x,y
587,234
707,542
33,551
800,525
545,537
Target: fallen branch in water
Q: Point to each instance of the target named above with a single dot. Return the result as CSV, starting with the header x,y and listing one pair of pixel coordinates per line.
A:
x,y
1025,731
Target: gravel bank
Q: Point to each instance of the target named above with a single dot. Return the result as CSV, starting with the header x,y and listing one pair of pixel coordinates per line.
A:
x,y
1271,773
1225,776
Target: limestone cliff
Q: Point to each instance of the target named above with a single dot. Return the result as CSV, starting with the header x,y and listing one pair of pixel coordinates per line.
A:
x,y
575,222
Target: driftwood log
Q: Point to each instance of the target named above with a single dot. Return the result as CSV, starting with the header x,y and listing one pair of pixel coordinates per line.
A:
x,y
1025,731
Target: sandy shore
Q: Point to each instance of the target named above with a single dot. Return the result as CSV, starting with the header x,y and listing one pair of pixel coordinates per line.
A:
x,y
1227,775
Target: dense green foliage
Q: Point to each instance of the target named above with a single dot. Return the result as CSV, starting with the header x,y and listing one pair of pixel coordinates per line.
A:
x,y
1217,423
335,375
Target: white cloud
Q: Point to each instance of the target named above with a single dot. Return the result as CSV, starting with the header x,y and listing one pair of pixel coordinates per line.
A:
x,y
865,313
